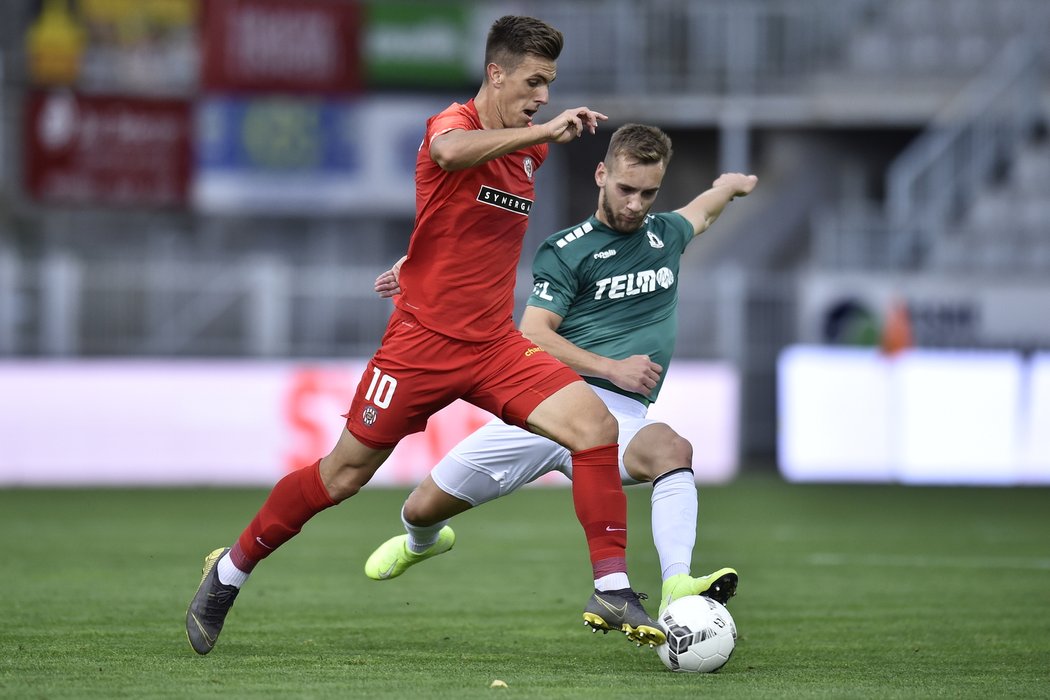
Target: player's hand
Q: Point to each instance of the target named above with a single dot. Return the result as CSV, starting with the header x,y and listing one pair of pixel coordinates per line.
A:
x,y
388,284
570,124
636,373
741,185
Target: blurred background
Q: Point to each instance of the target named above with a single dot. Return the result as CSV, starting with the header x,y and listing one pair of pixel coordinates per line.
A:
x,y
196,195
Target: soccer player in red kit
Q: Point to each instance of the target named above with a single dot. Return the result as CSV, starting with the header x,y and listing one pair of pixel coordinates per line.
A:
x,y
452,336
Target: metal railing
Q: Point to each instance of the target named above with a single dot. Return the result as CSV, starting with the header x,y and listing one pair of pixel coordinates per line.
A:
x,y
930,185
61,306
677,47
978,132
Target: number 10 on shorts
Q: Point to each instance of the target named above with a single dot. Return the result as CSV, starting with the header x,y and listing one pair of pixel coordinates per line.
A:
x,y
382,387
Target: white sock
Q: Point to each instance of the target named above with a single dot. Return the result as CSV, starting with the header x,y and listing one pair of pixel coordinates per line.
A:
x,y
674,508
612,582
229,575
420,539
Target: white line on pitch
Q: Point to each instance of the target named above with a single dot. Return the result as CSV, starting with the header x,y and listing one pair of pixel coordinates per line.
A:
x,y
834,559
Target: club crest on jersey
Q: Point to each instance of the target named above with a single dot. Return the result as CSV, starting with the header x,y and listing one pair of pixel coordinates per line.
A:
x,y
654,240
527,164
369,416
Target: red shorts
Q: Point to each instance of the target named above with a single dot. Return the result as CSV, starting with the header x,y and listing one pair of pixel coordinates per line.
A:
x,y
417,372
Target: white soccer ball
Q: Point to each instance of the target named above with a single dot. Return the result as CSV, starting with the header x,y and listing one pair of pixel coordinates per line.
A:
x,y
701,635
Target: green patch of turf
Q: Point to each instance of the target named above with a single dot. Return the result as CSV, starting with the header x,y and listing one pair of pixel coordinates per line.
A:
x,y
846,591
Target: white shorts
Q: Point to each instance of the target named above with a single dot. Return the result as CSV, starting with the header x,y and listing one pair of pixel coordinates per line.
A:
x,y
498,459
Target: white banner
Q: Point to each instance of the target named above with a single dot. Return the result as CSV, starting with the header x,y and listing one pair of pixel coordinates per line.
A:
x,y
918,417
943,311
142,422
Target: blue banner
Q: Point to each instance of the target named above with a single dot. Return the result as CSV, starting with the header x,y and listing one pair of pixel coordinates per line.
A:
x,y
308,155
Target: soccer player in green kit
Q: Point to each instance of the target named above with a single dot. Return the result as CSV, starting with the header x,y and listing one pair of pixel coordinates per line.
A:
x,y
604,302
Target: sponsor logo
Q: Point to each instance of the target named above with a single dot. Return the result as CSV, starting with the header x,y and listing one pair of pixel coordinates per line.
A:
x,y
529,168
533,350
634,283
204,633
369,415
622,610
654,240
542,290
605,254
574,234
504,200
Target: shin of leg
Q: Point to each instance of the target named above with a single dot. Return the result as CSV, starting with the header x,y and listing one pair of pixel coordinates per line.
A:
x,y
428,505
601,507
658,454
293,501
674,521
425,514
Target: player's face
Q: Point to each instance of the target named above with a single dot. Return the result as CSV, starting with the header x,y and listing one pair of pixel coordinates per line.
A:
x,y
626,192
522,91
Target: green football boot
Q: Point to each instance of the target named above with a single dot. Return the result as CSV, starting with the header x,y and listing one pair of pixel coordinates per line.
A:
x,y
393,557
720,586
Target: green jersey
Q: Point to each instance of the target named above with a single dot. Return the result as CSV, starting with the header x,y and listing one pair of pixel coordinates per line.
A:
x,y
617,293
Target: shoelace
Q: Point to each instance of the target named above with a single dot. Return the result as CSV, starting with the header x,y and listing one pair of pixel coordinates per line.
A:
x,y
219,603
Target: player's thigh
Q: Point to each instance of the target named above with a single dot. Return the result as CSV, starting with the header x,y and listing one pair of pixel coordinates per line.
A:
x,y
527,387
495,460
574,417
652,449
414,374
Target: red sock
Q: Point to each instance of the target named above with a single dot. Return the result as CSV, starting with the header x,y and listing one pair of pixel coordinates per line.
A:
x,y
294,499
601,507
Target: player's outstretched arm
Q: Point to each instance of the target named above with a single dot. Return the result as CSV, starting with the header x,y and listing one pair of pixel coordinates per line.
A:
x,y
460,148
708,205
636,373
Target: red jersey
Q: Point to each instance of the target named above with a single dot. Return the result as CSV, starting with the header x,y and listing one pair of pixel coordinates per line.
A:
x,y
463,256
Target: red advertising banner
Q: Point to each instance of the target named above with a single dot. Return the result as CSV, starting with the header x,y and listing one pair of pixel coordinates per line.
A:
x,y
107,150
309,46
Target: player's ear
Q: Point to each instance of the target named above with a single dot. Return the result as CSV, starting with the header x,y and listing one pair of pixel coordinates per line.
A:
x,y
599,174
495,74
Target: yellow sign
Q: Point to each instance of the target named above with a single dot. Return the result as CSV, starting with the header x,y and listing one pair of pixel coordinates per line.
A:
x,y
55,43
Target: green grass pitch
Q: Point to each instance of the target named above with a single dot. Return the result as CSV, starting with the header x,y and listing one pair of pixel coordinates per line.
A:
x,y
846,592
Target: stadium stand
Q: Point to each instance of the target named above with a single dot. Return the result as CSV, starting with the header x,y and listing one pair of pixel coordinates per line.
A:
x,y
905,135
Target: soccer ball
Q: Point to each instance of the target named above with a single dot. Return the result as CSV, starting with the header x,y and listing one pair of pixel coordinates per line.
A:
x,y
701,635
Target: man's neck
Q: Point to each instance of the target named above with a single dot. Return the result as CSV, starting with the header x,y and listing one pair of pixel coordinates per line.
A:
x,y
485,104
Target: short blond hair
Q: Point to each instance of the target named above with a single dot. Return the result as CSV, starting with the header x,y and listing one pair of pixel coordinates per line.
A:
x,y
640,143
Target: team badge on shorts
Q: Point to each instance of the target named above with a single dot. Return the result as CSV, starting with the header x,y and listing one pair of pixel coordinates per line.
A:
x,y
369,416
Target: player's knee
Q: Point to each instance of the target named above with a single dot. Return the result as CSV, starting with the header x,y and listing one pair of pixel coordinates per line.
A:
x,y
343,480
600,429
678,452
657,451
